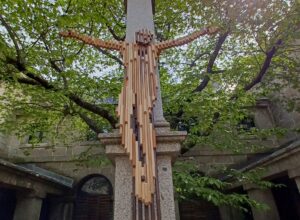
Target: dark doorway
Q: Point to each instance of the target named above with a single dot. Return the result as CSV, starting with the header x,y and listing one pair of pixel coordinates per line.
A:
x,y
287,198
94,199
44,210
7,203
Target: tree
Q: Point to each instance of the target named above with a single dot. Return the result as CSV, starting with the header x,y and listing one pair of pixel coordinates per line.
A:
x,y
206,85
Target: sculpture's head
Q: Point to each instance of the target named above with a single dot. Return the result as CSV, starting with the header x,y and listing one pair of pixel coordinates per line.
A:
x,y
143,37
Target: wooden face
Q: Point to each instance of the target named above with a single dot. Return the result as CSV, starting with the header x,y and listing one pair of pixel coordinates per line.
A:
x,y
143,37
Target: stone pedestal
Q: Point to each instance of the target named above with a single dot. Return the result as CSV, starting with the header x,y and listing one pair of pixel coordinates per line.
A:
x,y
168,147
28,206
264,196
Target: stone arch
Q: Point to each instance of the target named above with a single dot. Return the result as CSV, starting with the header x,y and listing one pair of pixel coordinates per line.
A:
x,y
94,198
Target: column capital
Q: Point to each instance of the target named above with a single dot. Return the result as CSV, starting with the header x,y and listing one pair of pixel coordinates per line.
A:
x,y
32,194
168,143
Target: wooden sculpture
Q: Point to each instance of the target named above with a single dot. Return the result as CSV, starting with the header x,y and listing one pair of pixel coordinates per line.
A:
x,y
136,103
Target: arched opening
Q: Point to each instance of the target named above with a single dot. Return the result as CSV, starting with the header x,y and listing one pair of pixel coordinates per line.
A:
x,y
94,199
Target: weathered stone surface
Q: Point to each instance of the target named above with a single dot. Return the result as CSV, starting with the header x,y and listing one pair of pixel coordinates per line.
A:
x,y
284,118
3,145
45,153
168,146
28,207
168,142
123,189
165,182
264,196
29,179
230,213
263,117
77,172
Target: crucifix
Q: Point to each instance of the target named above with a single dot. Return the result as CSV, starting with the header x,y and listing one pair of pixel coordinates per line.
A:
x,y
139,98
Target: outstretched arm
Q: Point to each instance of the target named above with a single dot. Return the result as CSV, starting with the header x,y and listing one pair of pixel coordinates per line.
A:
x,y
113,45
184,40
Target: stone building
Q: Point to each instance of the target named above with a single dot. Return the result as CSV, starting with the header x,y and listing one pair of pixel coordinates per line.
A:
x,y
48,183
280,160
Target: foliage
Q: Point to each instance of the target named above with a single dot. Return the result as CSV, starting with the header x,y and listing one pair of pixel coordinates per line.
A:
x,y
191,184
54,86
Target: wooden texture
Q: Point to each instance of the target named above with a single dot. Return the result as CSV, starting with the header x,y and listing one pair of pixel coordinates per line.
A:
x,y
135,110
112,45
136,103
185,40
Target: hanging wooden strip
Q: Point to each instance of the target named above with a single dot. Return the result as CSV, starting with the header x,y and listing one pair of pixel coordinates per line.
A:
x,y
136,103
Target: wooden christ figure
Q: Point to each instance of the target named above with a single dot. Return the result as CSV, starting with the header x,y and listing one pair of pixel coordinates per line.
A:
x,y
137,99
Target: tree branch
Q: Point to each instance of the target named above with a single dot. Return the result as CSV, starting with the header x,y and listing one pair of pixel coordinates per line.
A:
x,y
44,83
269,55
193,63
21,67
39,81
211,62
13,37
105,52
91,123
68,6
218,71
27,81
93,108
55,66
113,33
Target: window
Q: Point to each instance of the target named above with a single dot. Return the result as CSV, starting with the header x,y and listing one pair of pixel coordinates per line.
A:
x,y
246,124
36,138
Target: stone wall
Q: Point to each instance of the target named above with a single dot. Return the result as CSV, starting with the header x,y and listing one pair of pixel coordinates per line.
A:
x,y
69,160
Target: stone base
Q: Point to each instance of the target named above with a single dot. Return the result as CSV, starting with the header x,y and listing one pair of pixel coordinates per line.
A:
x,y
168,148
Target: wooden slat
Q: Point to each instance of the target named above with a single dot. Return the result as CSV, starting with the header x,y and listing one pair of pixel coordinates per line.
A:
x,y
139,92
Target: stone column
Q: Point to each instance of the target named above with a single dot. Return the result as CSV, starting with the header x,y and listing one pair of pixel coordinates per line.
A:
x,y
230,213
168,147
140,16
61,208
28,206
165,182
264,196
123,187
177,213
